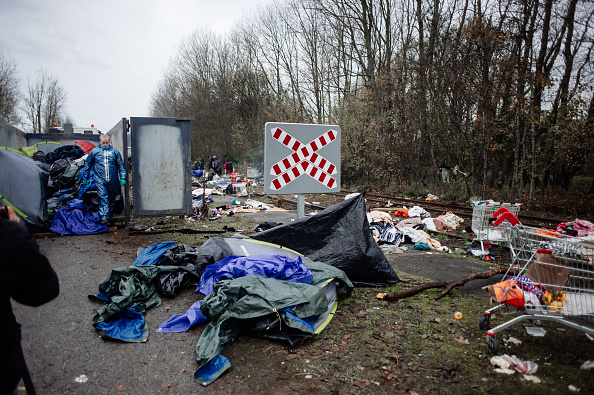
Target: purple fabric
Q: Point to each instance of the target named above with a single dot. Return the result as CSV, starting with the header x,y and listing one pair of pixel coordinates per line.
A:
x,y
266,265
183,322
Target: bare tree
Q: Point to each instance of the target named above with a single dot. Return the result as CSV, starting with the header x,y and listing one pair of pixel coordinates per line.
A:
x,y
9,86
44,102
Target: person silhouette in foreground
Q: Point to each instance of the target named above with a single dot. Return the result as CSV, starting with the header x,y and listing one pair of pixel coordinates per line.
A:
x,y
27,277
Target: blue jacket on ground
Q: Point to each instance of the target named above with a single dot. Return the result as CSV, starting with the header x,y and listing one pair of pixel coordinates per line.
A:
x,y
106,164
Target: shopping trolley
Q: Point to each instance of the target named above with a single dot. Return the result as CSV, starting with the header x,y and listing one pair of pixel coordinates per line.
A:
x,y
551,278
483,228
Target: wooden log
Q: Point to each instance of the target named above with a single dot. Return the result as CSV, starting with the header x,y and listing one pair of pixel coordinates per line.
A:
x,y
448,285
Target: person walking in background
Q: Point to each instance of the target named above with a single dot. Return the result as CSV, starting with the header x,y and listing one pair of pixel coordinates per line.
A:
x,y
211,162
218,167
107,164
27,277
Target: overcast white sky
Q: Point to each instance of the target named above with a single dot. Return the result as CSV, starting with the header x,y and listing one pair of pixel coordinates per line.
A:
x,y
110,54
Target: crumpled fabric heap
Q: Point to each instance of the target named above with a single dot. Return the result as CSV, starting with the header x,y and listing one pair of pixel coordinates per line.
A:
x,y
579,228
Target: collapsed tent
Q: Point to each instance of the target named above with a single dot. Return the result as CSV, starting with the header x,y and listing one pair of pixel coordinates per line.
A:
x,y
178,267
338,236
32,149
26,198
264,307
267,307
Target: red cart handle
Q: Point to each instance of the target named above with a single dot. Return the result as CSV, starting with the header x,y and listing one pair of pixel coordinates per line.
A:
x,y
501,215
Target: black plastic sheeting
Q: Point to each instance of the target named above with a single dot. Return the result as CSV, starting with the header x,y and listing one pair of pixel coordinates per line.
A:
x,y
338,236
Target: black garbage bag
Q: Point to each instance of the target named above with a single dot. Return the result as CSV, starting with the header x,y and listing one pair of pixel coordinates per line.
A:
x,y
266,225
192,262
338,236
66,151
169,284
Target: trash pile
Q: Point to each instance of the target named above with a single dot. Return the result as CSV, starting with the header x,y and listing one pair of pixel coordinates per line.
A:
x,y
408,227
45,188
282,284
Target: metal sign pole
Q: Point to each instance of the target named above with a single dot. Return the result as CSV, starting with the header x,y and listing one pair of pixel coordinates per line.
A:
x,y
300,206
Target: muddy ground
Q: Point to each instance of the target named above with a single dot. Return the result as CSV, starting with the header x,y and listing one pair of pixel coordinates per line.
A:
x,y
371,346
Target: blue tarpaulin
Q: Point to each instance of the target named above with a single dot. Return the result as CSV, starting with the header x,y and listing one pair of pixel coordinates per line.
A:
x,y
90,183
73,219
151,255
129,328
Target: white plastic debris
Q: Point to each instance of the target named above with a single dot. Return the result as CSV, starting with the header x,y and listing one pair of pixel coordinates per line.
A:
x,y
81,379
351,195
500,361
513,340
506,361
534,379
573,388
505,371
535,331
588,365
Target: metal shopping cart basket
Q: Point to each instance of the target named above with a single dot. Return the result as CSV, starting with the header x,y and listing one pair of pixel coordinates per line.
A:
x,y
551,278
483,228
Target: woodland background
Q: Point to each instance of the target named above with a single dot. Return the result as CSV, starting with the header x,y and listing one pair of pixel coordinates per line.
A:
x,y
503,89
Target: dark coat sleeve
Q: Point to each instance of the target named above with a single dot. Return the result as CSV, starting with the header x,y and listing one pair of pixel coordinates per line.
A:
x,y
26,272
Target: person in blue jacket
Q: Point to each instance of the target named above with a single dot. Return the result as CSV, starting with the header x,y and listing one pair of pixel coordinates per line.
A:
x,y
107,165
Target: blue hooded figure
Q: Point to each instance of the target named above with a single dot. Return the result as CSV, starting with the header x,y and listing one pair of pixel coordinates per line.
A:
x,y
107,165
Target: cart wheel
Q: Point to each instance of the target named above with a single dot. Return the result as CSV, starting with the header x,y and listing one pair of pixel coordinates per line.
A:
x,y
492,345
485,322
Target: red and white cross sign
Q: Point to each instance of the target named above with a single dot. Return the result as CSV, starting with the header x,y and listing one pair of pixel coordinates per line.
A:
x,y
303,160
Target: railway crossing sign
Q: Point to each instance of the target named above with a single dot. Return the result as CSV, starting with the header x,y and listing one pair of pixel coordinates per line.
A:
x,y
301,158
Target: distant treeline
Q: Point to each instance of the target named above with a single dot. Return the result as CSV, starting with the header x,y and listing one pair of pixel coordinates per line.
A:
x,y
503,89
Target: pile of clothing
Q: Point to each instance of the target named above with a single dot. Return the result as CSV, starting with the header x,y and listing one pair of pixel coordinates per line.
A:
x,y
411,228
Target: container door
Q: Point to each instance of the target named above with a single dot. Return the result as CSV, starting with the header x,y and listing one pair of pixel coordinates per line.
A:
x,y
161,179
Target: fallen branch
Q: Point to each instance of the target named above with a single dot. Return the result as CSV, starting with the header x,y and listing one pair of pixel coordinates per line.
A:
x,y
448,285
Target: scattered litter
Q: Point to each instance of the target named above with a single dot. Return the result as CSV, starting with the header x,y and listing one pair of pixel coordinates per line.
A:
x,y
505,371
351,195
458,315
535,331
381,295
376,308
506,361
479,252
513,340
532,378
308,376
393,249
500,361
588,365
573,388
81,379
